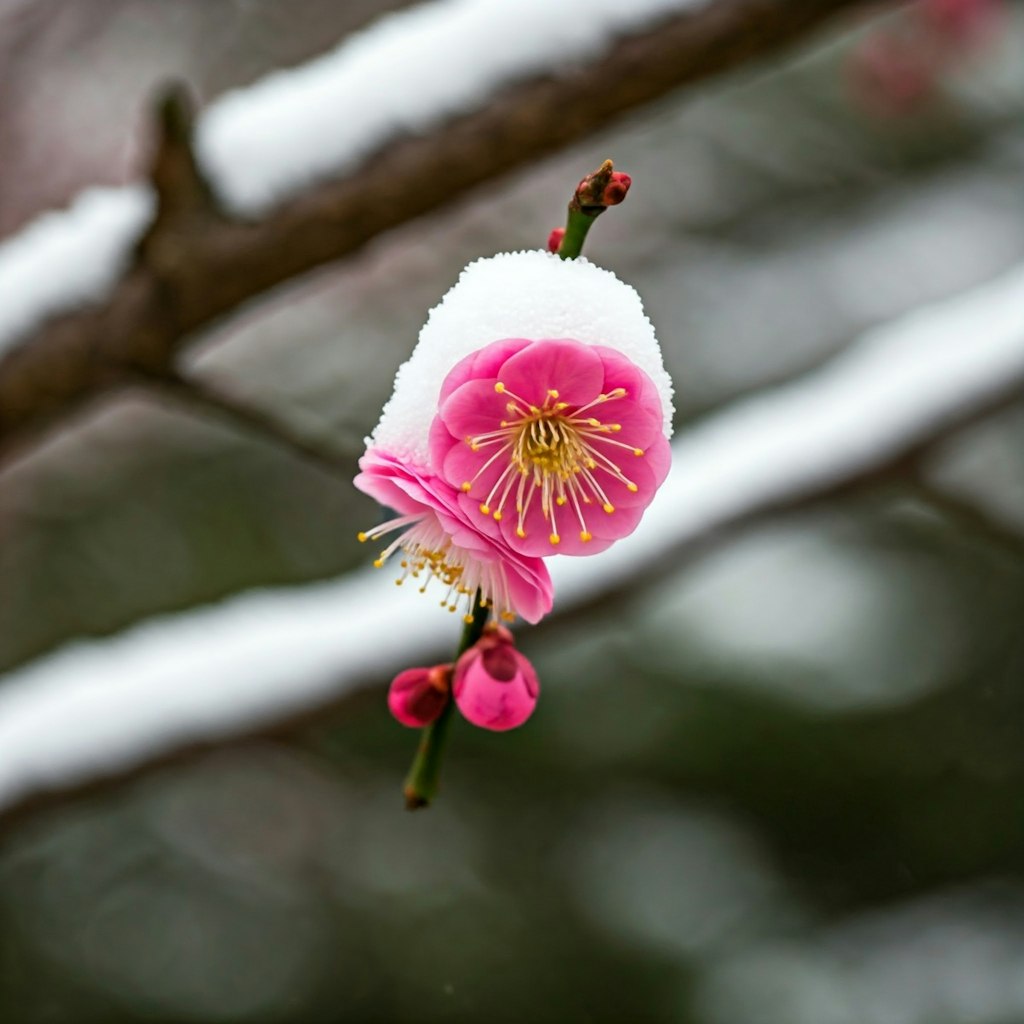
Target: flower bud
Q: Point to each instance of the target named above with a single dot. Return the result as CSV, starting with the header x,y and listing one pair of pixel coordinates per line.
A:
x,y
616,189
418,695
495,686
555,239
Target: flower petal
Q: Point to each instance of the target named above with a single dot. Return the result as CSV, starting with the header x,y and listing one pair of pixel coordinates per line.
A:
x,y
570,368
485,362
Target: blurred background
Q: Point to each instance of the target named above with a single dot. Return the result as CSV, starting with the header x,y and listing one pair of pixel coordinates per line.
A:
x,y
783,788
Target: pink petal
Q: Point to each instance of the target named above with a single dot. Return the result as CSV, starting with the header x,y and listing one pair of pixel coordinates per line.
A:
x,y
462,464
640,426
484,363
569,367
474,408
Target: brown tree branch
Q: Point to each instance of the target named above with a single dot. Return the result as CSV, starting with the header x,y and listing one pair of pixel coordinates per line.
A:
x,y
255,420
196,265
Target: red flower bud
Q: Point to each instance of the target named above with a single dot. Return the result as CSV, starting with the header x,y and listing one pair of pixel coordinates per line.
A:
x,y
418,695
616,189
555,239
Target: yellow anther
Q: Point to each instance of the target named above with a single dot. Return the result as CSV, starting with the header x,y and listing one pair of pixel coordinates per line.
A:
x,y
398,583
552,393
554,538
561,405
497,516
520,532
608,507
467,486
560,500
361,537
585,536
452,608
485,509
638,451
499,387
508,617
467,619
594,422
473,447
378,563
632,487
614,427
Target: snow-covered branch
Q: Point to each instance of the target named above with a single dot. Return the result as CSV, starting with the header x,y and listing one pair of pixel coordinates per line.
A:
x,y
104,708
312,163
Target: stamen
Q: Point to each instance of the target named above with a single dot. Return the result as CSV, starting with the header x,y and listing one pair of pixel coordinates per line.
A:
x,y
556,453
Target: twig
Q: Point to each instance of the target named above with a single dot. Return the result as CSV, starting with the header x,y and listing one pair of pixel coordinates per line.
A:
x,y
960,511
206,398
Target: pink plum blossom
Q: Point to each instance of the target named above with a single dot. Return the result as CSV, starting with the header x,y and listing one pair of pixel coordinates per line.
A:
x,y
418,695
554,446
439,541
495,687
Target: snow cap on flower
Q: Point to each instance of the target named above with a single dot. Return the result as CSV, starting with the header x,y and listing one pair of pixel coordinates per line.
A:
x,y
495,687
526,295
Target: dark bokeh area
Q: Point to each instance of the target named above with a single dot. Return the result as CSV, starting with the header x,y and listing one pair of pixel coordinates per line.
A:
x,y
782,787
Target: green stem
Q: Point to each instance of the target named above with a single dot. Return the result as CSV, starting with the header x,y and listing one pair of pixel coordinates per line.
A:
x,y
576,227
421,783
586,205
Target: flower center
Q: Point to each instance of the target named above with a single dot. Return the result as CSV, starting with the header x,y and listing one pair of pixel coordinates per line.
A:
x,y
554,454
430,555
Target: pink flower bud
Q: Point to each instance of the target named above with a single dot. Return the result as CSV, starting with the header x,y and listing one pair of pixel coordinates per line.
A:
x,y
616,189
495,686
555,239
418,695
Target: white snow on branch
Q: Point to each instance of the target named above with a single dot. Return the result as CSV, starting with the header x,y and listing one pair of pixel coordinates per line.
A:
x,y
106,705
69,257
406,73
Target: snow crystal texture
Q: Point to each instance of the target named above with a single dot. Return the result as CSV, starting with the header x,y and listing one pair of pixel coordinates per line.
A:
x,y
530,295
